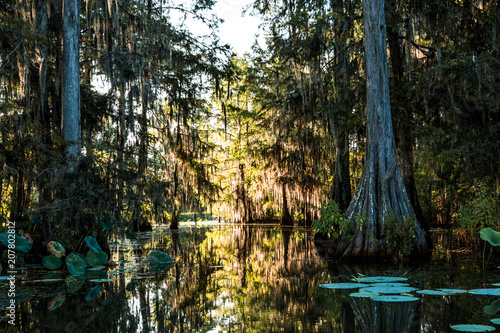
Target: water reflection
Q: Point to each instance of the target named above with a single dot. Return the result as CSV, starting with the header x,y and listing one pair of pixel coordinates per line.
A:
x,y
234,279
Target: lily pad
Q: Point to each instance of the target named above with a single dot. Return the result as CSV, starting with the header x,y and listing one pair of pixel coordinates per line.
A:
x,y
492,309
4,278
56,302
472,328
496,321
342,285
93,293
485,291
395,298
491,236
496,284
363,294
56,249
97,258
97,268
376,279
76,265
51,262
452,291
92,243
431,292
388,290
22,244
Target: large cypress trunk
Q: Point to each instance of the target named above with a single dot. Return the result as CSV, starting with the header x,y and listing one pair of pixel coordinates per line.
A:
x,y
381,191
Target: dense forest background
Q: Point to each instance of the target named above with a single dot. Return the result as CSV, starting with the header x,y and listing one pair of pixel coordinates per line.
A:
x,y
174,123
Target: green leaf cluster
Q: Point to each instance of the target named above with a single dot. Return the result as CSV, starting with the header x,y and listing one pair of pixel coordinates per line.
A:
x,y
399,233
333,222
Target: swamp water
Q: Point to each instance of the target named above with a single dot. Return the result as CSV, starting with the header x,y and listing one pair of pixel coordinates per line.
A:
x,y
233,278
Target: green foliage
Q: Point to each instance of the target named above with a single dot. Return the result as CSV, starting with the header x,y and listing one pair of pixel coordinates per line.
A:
x,y
76,265
97,258
21,244
399,233
51,262
333,222
92,243
480,211
56,249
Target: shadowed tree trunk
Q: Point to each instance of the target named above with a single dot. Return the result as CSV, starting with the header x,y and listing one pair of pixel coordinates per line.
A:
x,y
381,191
71,129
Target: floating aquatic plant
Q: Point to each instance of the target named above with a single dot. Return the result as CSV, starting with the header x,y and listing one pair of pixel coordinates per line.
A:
x,y
56,249
489,236
92,243
76,265
495,321
51,262
342,285
452,291
395,298
364,294
485,291
492,309
432,292
388,290
376,279
472,328
95,259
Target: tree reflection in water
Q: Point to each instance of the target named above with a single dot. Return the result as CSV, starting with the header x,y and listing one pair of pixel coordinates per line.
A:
x,y
238,278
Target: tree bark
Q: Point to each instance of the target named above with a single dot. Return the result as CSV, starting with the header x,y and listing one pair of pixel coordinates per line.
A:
x,y
381,190
71,127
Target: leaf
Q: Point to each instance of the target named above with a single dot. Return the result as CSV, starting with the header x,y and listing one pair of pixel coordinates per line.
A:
x,y
375,279
343,285
51,262
395,298
93,293
495,321
97,259
22,244
56,302
491,236
56,249
472,328
485,291
106,222
388,290
92,243
76,265
492,309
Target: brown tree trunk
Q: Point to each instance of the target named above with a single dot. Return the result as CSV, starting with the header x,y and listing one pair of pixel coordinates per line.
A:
x,y
381,189
286,219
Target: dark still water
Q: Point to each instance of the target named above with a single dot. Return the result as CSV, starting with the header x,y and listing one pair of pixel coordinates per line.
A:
x,y
233,278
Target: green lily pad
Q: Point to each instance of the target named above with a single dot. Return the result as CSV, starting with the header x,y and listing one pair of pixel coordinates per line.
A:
x,y
363,294
452,291
388,290
492,309
377,279
485,291
92,243
395,298
22,244
56,249
491,236
342,285
431,292
76,265
4,278
472,328
51,262
97,258
93,293
495,321
496,284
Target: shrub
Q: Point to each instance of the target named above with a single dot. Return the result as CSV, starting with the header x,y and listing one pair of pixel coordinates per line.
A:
x,y
333,222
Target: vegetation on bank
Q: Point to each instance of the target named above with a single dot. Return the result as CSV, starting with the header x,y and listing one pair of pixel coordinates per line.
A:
x,y
184,125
